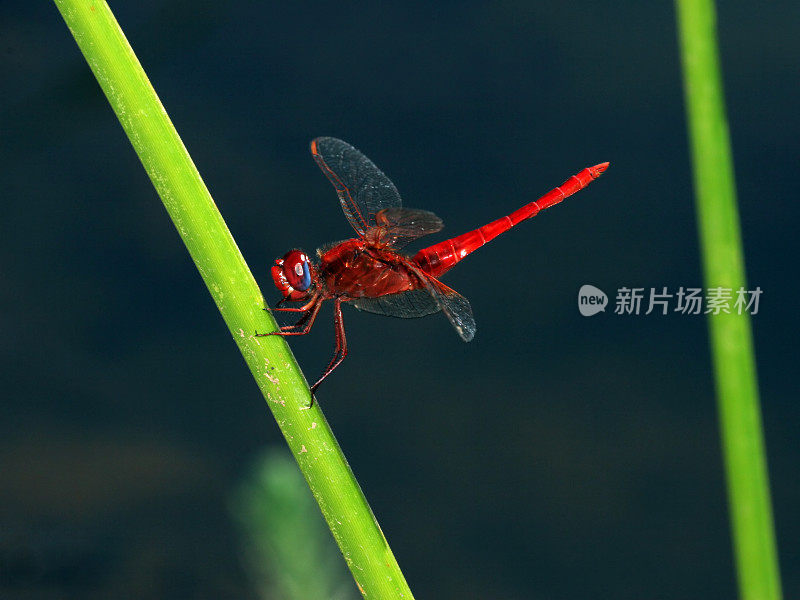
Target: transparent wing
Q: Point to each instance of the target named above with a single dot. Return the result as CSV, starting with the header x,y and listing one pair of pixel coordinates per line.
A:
x,y
406,305
418,303
362,187
455,306
399,226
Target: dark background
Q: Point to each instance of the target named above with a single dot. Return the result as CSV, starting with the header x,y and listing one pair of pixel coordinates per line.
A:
x,y
554,457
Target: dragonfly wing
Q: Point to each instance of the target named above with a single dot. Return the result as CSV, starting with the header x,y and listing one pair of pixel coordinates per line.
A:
x,y
434,297
362,187
406,305
455,306
401,226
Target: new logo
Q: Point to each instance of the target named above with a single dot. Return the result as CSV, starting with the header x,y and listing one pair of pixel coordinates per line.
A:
x,y
591,300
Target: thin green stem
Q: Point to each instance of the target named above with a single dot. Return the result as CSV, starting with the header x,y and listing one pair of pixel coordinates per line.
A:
x,y
237,296
731,338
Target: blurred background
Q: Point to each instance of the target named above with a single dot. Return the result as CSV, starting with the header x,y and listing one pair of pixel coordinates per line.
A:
x,y
555,456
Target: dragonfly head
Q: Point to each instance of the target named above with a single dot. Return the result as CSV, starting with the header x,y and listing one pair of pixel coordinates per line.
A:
x,y
294,275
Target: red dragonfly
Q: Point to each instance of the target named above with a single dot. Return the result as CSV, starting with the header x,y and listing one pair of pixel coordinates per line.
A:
x,y
369,272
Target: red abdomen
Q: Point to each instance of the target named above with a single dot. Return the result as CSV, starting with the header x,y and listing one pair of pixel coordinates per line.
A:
x,y
436,260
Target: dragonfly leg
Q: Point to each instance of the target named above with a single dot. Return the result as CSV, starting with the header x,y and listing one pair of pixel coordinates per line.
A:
x,y
341,345
302,327
277,304
303,308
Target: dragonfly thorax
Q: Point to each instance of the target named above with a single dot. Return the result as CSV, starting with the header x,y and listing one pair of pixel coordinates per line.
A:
x,y
294,275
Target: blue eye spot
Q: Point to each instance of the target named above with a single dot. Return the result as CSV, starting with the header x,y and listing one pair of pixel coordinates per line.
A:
x,y
306,281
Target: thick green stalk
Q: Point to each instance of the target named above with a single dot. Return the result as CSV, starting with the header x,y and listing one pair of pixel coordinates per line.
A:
x,y
731,338
237,296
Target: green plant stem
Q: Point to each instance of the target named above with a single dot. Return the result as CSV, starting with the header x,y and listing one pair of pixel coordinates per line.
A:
x,y
237,296
731,338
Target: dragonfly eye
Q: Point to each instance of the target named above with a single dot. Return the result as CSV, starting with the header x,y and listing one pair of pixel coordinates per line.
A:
x,y
297,270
